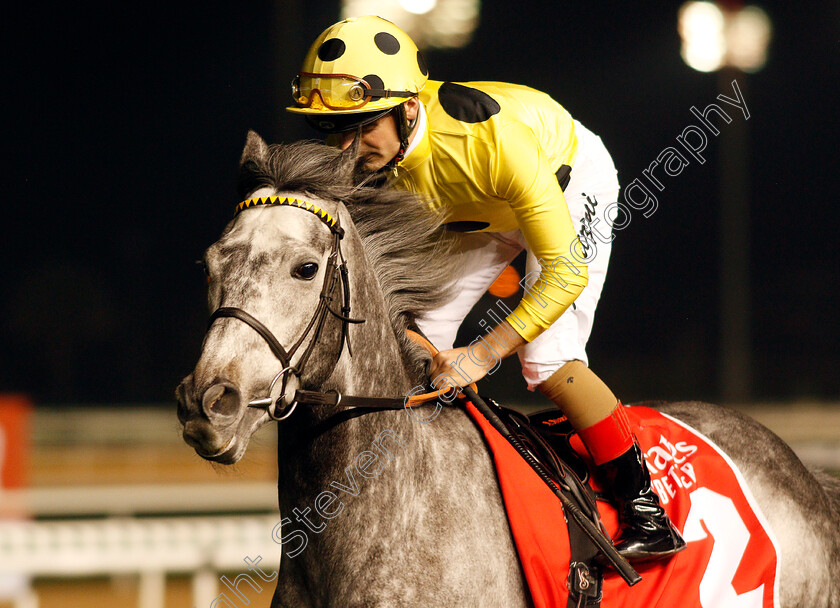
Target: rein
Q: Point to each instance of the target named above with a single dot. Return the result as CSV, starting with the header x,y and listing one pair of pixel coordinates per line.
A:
x,y
391,403
359,406
336,273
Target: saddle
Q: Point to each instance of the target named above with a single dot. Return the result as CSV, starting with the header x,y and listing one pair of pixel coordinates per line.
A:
x,y
545,436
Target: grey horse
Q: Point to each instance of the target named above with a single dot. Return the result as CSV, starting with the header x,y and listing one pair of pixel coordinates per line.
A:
x,y
391,509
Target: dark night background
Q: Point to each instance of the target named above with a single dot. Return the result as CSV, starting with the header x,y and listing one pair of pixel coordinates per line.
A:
x,y
124,125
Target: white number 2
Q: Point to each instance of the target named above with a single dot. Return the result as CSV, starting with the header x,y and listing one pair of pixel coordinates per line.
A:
x,y
731,537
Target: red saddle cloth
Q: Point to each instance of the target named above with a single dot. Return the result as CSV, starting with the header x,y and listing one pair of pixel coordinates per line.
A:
x,y
731,556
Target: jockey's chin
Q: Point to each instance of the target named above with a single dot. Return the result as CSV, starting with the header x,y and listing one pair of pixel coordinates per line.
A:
x,y
371,169
371,162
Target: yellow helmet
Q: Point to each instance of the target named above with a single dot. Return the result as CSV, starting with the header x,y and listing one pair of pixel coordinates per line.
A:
x,y
363,65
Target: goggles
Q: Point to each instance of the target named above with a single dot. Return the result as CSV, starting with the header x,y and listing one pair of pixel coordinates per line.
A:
x,y
337,91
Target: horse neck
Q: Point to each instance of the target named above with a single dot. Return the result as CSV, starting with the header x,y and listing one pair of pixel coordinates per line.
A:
x,y
375,369
378,467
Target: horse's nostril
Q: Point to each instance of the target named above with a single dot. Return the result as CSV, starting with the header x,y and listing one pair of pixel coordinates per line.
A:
x,y
221,400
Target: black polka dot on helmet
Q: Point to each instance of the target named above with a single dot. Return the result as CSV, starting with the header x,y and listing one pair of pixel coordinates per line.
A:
x,y
331,49
387,43
421,63
375,82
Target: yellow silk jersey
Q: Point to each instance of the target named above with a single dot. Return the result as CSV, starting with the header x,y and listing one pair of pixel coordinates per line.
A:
x,y
488,160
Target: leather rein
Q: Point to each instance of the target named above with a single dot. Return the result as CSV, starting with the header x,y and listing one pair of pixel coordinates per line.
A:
x,y
335,274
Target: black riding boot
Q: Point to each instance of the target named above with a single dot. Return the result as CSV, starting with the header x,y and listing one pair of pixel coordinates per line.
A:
x,y
646,532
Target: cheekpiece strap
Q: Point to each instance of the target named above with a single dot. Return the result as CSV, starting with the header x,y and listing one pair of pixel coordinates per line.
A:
x,y
330,221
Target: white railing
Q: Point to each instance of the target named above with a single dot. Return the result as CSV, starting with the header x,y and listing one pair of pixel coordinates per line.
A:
x,y
150,547
137,499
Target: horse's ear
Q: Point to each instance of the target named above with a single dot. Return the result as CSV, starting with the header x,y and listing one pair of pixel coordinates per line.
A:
x,y
250,176
255,148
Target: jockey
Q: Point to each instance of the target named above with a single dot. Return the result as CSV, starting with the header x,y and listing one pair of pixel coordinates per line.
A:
x,y
509,165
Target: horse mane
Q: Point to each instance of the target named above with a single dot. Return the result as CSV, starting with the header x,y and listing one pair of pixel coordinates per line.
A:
x,y
405,245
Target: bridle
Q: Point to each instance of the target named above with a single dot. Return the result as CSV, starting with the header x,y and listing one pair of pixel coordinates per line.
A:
x,y
336,272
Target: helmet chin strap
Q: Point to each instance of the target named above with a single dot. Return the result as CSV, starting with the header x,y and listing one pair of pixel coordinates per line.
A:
x,y
404,128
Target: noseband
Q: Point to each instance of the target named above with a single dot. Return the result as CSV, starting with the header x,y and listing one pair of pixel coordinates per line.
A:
x,y
336,271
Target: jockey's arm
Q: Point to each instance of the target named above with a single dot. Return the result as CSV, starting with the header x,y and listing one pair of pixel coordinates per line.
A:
x,y
471,363
522,175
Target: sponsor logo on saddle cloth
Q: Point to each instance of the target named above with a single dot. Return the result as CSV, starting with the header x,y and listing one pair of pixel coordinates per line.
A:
x,y
731,557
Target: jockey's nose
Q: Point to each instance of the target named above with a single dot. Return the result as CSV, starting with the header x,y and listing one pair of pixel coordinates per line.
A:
x,y
345,139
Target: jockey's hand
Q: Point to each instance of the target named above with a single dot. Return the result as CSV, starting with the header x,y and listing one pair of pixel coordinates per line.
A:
x,y
458,366
468,364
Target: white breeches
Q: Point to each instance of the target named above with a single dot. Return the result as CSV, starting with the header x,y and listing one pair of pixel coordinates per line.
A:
x,y
485,255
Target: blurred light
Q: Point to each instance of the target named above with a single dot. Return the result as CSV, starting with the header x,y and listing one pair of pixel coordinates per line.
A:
x,y
418,7
430,23
712,38
701,26
506,284
747,39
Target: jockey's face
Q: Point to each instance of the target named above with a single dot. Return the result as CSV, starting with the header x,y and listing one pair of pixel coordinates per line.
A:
x,y
380,139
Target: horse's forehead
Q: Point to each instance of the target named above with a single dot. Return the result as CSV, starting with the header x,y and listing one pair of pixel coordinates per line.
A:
x,y
264,227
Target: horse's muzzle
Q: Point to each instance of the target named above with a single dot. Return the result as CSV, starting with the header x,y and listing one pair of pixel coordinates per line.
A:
x,y
209,422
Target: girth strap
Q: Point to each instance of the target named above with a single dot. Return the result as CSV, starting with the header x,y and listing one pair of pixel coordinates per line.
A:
x,y
585,576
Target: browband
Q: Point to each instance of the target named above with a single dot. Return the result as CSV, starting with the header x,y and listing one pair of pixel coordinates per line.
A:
x,y
330,221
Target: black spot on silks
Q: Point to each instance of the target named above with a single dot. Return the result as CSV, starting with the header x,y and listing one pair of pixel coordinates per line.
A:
x,y
331,49
564,176
421,63
467,104
386,43
465,226
375,82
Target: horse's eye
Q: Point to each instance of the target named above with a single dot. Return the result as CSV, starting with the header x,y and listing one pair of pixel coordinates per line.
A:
x,y
306,271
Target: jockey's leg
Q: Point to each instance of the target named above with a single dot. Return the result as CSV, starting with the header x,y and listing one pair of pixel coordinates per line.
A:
x,y
599,418
556,364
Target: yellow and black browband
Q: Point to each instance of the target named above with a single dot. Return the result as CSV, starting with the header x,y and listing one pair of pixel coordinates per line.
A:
x,y
322,215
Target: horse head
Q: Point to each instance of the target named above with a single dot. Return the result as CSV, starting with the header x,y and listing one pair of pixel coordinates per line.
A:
x,y
275,290
283,313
